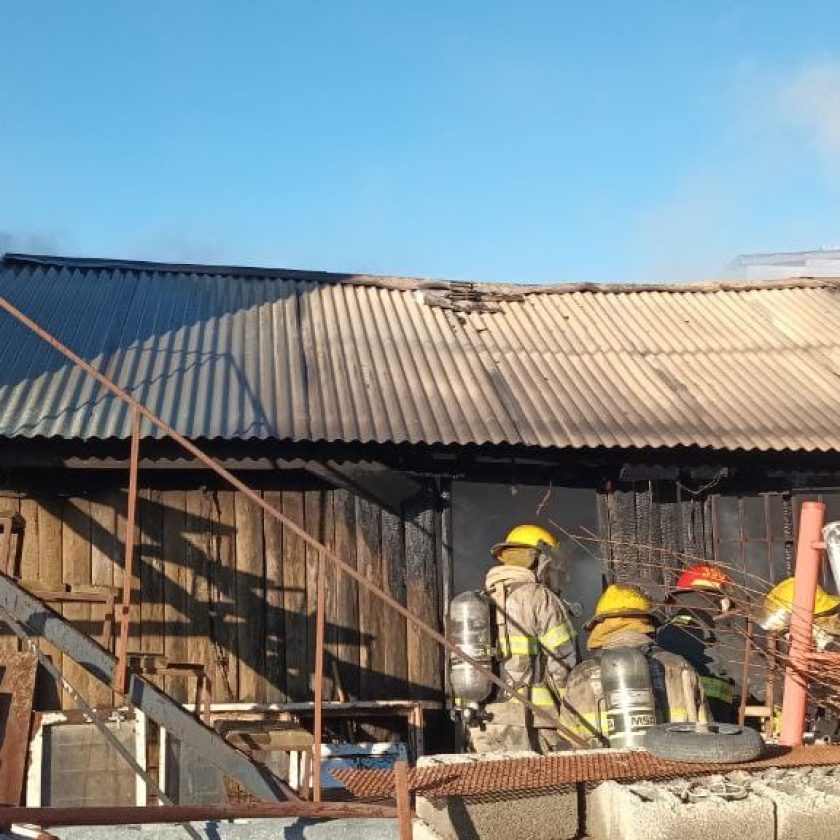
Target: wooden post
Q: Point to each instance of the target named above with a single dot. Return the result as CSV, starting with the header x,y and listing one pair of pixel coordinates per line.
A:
x,y
6,565
403,800
207,697
131,515
319,682
415,730
305,775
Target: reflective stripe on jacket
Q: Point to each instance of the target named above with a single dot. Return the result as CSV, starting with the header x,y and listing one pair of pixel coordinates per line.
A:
x,y
717,688
554,639
539,694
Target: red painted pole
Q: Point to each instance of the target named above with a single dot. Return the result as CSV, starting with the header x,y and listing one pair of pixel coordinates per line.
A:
x,y
801,622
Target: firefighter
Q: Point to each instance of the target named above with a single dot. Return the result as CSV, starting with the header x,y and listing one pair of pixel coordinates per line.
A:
x,y
774,617
778,606
624,619
701,631
535,644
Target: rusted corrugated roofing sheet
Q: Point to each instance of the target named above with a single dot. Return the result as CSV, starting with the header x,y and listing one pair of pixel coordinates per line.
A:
x,y
249,353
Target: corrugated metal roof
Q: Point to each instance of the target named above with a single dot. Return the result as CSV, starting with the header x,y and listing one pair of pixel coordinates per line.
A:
x,y
253,353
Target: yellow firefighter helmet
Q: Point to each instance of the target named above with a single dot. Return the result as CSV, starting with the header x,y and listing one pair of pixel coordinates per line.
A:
x,y
618,600
778,605
522,544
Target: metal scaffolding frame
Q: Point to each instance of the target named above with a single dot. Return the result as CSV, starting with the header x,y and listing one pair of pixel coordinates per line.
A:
x,y
114,671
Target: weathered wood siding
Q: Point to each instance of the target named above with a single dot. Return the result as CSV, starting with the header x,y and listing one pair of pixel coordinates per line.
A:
x,y
652,529
219,582
649,528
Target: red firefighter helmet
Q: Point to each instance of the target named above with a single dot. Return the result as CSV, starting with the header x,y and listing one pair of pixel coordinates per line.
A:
x,y
708,578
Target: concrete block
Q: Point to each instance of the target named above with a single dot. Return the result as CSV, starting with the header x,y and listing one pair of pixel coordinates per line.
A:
x,y
807,807
81,768
552,815
549,815
654,811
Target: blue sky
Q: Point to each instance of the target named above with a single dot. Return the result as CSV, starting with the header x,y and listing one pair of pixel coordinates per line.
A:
x,y
535,142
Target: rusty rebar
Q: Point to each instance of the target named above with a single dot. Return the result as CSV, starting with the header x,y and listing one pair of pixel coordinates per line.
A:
x,y
318,731
128,562
745,670
403,798
559,769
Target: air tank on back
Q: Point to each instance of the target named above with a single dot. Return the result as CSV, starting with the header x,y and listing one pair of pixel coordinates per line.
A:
x,y
468,627
629,702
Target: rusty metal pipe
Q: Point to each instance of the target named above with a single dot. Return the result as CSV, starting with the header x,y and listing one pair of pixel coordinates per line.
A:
x,y
150,814
794,699
128,562
293,527
770,684
318,723
403,798
745,674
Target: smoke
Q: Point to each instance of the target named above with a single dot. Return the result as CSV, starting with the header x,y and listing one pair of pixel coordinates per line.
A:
x,y
29,243
691,234
809,101
783,125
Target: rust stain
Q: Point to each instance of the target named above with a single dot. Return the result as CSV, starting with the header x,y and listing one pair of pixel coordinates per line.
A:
x,y
482,777
17,689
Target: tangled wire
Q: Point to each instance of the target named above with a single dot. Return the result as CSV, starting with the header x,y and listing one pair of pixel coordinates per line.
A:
x,y
748,648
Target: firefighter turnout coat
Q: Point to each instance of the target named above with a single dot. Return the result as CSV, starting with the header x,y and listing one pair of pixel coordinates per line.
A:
x,y
535,643
713,651
676,688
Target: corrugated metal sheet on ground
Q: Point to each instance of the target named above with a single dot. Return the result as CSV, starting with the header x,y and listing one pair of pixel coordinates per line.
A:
x,y
239,353
480,777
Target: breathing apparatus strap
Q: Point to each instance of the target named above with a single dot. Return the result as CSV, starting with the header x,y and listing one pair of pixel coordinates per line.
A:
x,y
506,644
502,635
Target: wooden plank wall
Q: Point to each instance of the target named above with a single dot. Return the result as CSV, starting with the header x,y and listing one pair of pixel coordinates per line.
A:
x,y
220,583
650,531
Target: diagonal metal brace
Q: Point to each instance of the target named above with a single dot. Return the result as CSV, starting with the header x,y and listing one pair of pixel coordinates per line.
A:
x,y
41,621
